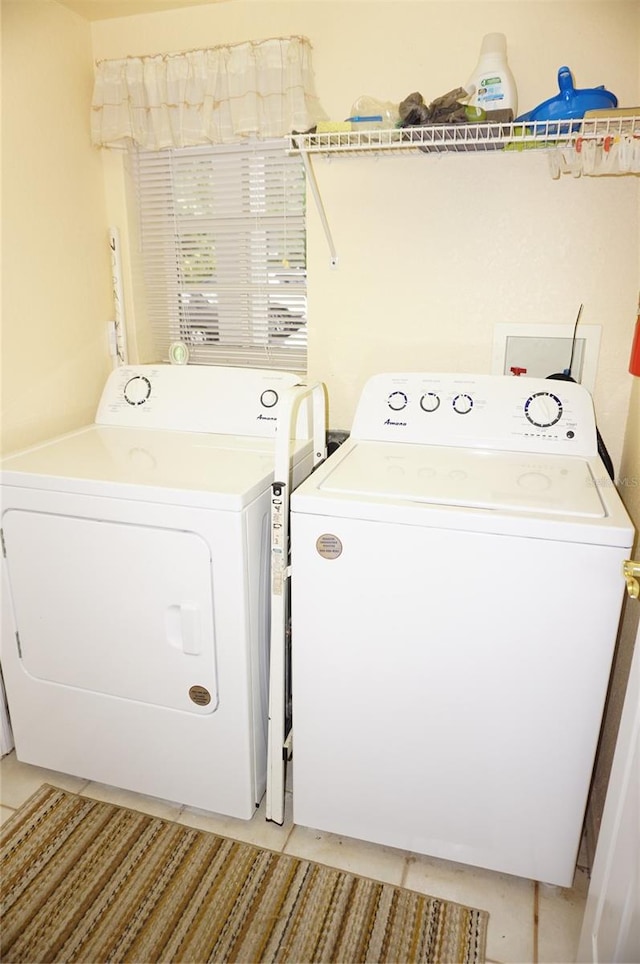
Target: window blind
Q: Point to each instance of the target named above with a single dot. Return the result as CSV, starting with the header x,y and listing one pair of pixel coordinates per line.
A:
x,y
223,252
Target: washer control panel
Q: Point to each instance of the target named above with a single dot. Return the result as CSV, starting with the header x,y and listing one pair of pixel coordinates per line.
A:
x,y
196,398
478,411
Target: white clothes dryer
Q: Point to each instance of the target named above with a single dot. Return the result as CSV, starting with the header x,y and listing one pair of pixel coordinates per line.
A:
x,y
136,584
456,592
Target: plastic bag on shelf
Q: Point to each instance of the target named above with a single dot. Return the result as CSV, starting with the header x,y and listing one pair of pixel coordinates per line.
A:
x,y
366,106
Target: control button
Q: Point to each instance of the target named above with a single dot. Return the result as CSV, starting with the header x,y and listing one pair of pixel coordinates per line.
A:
x,y
571,434
269,398
462,404
543,409
137,390
429,402
457,475
397,401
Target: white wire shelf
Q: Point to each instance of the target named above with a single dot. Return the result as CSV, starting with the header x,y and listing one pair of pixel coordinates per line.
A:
x,y
470,138
602,145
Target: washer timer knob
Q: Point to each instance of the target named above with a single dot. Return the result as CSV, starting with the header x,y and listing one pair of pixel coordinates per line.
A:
x,y
137,390
397,401
269,398
462,404
543,409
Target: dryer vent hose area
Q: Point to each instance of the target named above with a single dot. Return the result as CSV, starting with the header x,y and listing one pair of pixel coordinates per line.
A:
x,y
335,438
602,448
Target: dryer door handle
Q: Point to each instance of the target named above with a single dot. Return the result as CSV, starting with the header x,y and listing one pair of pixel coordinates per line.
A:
x,y
183,628
631,573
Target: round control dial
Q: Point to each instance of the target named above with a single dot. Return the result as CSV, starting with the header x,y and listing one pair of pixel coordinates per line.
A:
x,y
269,398
543,409
397,401
137,390
462,404
429,402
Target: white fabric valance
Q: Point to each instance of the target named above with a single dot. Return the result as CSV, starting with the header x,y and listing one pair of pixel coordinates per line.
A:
x,y
216,96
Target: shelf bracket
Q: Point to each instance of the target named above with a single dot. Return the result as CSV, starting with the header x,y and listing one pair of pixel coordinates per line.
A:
x,y
315,190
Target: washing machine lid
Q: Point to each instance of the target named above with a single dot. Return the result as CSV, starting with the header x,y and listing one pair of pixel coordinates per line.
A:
x,y
185,468
474,478
546,496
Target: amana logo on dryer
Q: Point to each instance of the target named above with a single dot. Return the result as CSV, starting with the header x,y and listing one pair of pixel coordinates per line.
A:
x,y
390,421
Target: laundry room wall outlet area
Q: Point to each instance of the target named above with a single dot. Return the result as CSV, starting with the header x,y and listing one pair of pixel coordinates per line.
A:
x,y
544,350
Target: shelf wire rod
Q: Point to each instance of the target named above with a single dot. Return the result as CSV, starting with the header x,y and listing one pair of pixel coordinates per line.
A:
x,y
315,190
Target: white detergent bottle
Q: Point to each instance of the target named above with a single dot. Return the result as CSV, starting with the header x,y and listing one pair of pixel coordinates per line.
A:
x,y
491,84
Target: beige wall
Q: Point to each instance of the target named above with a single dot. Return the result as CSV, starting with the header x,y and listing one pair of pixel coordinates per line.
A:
x,y
56,289
434,251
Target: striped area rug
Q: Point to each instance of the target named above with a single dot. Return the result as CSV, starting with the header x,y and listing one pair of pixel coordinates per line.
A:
x,y
83,880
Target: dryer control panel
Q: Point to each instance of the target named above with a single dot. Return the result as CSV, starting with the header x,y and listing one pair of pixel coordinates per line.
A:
x,y
198,398
478,411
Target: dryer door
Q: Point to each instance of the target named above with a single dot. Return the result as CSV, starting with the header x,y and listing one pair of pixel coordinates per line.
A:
x,y
124,610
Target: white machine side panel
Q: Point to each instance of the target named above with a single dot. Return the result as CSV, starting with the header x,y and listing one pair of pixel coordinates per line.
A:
x,y
448,689
257,575
123,610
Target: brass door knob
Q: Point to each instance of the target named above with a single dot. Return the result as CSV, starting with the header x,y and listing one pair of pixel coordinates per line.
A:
x,y
631,573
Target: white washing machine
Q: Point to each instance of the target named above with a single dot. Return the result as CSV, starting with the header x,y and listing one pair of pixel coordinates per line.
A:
x,y
136,584
456,592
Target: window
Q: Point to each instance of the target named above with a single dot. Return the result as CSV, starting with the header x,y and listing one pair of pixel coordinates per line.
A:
x,y
223,252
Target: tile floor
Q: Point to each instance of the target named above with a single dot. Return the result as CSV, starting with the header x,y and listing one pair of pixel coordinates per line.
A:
x,y
529,922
